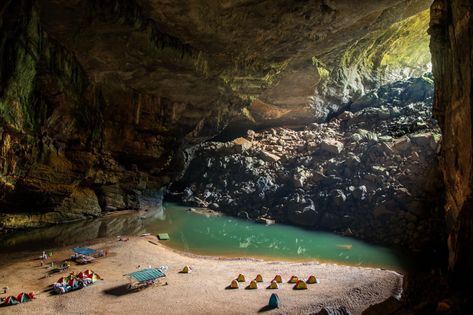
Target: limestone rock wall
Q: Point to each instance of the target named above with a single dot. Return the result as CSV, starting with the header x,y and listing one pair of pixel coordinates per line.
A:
x,y
451,29
100,99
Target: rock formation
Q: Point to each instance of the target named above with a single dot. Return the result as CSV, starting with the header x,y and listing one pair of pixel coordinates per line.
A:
x,y
368,172
100,99
451,30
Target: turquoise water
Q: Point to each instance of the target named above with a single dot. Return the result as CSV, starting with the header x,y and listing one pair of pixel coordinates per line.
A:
x,y
215,235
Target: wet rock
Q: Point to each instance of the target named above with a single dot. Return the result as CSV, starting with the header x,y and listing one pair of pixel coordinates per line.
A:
x,y
266,221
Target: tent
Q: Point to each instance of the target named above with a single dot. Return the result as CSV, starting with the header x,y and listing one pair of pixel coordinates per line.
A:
x,y
253,285
312,279
259,278
241,278
293,279
300,285
274,301
23,297
11,300
278,279
186,269
273,285
163,236
234,285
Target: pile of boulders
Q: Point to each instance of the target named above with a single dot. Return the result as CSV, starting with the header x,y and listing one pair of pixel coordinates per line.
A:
x,y
369,172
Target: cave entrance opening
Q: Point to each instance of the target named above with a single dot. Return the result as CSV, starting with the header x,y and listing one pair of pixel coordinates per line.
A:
x,y
364,166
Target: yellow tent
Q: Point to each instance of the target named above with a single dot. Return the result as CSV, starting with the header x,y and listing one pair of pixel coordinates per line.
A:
x,y
259,278
278,279
241,278
273,285
234,284
186,269
253,285
300,285
293,279
312,280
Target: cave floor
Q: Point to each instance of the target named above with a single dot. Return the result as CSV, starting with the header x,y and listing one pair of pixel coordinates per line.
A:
x,y
201,292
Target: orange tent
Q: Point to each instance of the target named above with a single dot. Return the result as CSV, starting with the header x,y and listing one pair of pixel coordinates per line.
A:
x,y
241,278
312,279
278,279
293,279
234,285
300,285
273,285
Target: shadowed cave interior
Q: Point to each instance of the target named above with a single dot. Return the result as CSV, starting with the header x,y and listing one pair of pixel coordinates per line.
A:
x,y
255,129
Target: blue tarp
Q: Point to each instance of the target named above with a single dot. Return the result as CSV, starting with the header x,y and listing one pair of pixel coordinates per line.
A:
x,y
83,251
147,275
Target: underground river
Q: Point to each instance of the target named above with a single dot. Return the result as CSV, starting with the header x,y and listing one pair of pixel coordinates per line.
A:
x,y
215,235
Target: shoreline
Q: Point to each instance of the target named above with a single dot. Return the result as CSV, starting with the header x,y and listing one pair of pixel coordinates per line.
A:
x,y
201,292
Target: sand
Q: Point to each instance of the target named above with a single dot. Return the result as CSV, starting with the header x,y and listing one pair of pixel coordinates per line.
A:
x,y
201,292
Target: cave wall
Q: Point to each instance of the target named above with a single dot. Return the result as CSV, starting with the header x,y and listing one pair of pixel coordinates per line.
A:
x,y
100,99
451,28
74,146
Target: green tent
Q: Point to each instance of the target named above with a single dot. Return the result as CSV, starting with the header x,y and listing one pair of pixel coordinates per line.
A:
x,y
163,236
23,297
274,301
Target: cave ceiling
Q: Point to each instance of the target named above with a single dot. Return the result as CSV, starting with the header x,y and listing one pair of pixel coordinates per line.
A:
x,y
195,51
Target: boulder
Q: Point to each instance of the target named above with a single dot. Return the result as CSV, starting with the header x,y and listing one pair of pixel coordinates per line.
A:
x,y
331,146
269,157
242,144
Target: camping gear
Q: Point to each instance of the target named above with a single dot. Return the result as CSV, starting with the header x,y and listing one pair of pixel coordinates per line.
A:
x,y
278,279
186,269
312,279
274,301
300,285
234,285
163,236
145,277
11,300
84,251
82,260
5,290
75,281
64,266
273,285
293,279
253,285
259,278
20,298
241,278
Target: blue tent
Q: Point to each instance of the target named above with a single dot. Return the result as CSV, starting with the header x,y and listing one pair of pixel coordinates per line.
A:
x,y
274,301
83,251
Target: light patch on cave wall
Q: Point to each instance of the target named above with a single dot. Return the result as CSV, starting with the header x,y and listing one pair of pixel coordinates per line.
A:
x,y
396,53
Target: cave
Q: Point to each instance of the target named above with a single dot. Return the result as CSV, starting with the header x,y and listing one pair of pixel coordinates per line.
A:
x,y
209,140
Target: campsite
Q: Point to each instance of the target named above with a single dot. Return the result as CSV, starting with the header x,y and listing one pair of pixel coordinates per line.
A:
x,y
204,290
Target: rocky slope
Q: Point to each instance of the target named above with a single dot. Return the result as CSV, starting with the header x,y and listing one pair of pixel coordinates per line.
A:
x,y
367,172
100,99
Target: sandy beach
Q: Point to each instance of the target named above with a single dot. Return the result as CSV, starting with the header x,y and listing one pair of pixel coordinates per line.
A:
x,y
201,292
